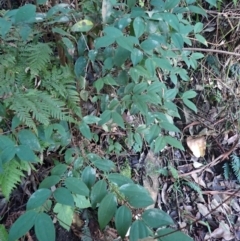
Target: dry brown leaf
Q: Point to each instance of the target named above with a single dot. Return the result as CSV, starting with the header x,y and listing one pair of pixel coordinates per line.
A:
x,y
197,145
198,180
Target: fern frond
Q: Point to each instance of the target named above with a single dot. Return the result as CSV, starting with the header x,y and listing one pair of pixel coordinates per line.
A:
x,y
11,176
194,186
236,166
37,56
226,171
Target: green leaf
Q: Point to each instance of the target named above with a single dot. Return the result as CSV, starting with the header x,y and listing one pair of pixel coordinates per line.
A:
x,y
105,117
38,198
22,225
63,196
198,27
189,94
28,138
76,186
123,220
160,143
5,26
3,233
81,201
5,142
50,181
89,176
173,142
108,80
24,153
138,26
106,210
104,165
59,169
7,154
138,231
98,84
136,56
198,10
201,39
173,235
127,42
170,4
169,126
177,40
26,13
136,195
141,104
104,42
91,119
82,26
190,105
163,63
149,44
99,191
212,2
172,20
119,179
44,228
156,218
112,32
64,215
149,64
118,119
80,66
85,130
41,2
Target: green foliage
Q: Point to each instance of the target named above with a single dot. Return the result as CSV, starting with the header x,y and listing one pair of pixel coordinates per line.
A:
x,y
233,167
3,233
136,58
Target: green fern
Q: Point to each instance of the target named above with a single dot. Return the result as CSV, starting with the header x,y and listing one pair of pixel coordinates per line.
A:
x,y
235,163
11,175
194,186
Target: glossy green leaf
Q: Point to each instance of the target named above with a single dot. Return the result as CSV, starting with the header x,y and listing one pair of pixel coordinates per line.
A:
x,y
22,225
99,191
104,41
24,153
5,142
198,27
198,10
59,169
156,218
106,210
136,195
82,26
80,66
7,154
63,196
5,26
138,231
104,165
177,40
28,138
149,64
170,4
201,39
174,142
149,44
189,94
160,143
64,215
89,176
117,118
76,186
127,42
119,179
138,26
85,130
26,13
190,105
91,119
123,220
139,88
50,181
44,228
38,198
136,56
112,32
173,235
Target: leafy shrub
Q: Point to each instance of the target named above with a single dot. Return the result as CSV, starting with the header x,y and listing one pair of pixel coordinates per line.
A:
x,y
135,56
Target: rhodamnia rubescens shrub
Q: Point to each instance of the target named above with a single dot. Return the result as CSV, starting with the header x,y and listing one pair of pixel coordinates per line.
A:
x,y
128,59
